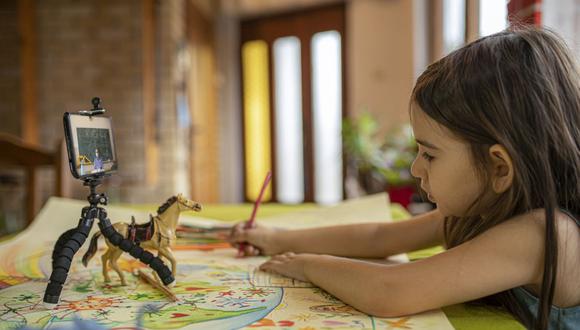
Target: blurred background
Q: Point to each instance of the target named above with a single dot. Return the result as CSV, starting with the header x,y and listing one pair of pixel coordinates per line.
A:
x,y
206,96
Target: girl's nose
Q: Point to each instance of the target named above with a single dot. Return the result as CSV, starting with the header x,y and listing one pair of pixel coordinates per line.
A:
x,y
415,168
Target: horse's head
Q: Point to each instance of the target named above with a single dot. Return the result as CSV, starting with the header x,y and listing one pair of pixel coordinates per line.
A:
x,y
187,204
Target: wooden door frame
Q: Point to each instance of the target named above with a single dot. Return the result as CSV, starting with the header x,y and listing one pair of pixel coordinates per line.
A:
x,y
302,24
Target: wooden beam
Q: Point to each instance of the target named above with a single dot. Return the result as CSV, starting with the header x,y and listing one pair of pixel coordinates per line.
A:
x,y
149,97
471,20
436,38
307,117
28,86
202,97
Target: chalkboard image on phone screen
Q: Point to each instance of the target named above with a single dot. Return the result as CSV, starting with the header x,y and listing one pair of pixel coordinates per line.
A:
x,y
90,144
95,145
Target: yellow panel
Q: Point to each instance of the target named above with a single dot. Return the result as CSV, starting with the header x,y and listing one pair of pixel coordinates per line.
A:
x,y
257,137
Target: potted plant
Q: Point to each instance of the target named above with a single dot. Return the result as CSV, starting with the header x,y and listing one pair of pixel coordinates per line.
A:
x,y
379,164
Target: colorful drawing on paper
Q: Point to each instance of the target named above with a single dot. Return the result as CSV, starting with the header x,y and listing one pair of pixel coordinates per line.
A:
x,y
213,288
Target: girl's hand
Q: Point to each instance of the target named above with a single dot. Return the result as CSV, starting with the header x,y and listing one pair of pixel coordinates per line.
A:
x,y
288,264
260,240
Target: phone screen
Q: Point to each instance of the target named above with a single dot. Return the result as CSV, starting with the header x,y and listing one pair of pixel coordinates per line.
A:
x,y
90,144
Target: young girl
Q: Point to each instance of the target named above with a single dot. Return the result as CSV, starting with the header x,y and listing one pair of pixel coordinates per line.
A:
x,y
497,123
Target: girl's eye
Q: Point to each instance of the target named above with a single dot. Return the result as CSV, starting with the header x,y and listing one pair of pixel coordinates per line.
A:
x,y
427,156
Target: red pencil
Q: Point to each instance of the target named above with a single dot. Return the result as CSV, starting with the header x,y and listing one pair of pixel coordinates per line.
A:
x,y
250,222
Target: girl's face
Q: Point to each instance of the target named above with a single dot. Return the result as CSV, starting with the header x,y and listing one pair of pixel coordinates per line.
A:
x,y
444,166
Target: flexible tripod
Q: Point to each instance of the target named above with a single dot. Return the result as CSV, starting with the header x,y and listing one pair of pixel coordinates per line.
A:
x,y
70,241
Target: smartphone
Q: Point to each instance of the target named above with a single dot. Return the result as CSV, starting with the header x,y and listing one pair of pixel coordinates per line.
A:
x,y
90,145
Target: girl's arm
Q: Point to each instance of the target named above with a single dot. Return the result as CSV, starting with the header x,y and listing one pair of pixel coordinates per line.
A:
x,y
506,256
372,240
369,240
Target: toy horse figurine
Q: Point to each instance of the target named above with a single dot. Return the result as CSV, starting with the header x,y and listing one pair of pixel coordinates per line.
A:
x,y
158,234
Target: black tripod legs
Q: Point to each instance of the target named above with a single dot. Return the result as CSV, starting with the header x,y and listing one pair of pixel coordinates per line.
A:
x,y
136,252
60,244
70,241
65,248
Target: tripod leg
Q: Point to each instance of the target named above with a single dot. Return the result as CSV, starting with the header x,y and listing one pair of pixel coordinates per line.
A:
x,y
65,248
167,254
60,243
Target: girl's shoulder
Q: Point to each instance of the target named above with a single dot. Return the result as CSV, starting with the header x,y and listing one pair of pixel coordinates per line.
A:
x,y
565,221
563,213
520,240
532,226
508,255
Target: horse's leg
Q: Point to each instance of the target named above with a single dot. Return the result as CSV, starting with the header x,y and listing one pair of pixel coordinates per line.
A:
x,y
114,257
166,252
105,261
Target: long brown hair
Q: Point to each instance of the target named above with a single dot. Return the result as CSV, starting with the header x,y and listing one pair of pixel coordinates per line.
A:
x,y
519,88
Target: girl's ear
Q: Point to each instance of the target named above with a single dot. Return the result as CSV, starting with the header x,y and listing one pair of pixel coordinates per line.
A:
x,y
502,170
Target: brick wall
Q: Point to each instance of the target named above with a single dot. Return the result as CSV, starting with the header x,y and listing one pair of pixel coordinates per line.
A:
x,y
95,48
86,49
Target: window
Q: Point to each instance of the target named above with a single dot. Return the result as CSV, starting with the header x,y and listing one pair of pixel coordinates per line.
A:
x,y
288,125
292,90
257,139
453,24
327,116
492,16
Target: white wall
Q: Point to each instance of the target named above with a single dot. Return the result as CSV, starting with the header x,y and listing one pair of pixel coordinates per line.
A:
x,y
381,62
563,16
